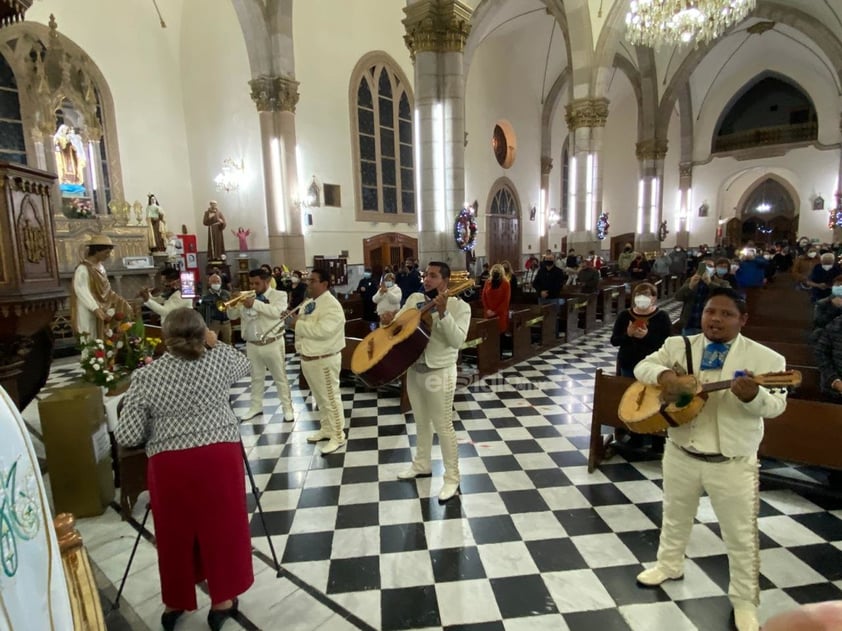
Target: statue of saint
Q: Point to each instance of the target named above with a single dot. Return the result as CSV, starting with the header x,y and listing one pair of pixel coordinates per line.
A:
x,y
155,226
92,301
215,221
242,235
70,157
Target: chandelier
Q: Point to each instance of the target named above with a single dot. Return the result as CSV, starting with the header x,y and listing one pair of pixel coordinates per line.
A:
x,y
656,22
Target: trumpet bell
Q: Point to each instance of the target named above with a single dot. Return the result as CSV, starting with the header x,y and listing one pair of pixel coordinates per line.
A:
x,y
224,306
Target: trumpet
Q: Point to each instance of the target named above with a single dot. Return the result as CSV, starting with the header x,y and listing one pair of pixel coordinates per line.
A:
x,y
285,315
235,301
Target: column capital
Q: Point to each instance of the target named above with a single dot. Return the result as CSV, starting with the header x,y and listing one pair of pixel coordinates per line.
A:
x,y
586,113
439,26
651,149
546,165
274,93
685,169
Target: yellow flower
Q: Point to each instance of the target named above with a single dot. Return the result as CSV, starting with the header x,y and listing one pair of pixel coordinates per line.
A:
x,y
125,326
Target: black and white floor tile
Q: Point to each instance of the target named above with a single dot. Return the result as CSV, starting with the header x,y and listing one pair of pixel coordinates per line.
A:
x,y
533,542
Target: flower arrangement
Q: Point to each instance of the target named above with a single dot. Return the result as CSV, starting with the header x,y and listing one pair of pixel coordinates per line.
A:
x,y
124,347
78,208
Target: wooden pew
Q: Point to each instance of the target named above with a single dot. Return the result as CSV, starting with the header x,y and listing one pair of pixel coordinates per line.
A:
x,y
578,315
519,316
767,333
483,343
609,299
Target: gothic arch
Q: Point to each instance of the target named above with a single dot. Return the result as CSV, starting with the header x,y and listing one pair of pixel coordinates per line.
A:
x,y
503,242
45,81
268,35
787,186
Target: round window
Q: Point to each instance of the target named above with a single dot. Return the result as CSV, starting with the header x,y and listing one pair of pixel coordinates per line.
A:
x,y
503,143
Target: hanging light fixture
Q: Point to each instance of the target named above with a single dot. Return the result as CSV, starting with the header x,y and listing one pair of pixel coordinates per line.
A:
x,y
656,22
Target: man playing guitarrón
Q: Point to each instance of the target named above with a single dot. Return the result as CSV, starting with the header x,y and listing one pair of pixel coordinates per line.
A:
x,y
717,451
431,381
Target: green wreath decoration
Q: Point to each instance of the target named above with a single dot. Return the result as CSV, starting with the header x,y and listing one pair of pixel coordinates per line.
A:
x,y
465,230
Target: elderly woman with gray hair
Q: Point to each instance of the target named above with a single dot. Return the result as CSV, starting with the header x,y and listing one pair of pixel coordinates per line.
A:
x,y
178,408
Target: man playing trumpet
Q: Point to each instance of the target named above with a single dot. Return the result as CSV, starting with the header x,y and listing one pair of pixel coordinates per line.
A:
x,y
260,314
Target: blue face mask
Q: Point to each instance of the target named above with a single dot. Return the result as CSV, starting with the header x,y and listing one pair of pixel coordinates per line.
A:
x,y
836,290
366,274
721,271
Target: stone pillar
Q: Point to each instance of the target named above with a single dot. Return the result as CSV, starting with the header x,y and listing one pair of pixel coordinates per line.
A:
x,y
544,212
586,122
436,31
685,211
94,172
650,153
276,98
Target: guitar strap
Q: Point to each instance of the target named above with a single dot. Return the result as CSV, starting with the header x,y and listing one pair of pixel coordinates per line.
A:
x,y
689,359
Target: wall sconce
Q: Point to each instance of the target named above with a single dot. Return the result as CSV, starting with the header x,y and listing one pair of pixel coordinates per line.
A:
x,y
311,199
229,178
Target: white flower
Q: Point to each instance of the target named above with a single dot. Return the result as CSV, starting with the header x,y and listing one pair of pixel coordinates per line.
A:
x,y
110,354
96,367
111,313
109,333
120,344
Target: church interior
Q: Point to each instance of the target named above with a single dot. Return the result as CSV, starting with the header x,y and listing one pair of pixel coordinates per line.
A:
x,y
222,135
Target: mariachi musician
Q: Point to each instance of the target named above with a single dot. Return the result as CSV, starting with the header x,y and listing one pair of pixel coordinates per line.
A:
x,y
431,381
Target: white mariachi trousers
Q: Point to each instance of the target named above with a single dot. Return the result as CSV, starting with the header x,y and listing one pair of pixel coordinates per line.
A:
x,y
431,397
322,376
733,490
271,357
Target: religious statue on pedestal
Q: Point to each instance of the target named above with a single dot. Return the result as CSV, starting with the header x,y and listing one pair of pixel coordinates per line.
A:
x,y
242,235
70,160
215,221
155,226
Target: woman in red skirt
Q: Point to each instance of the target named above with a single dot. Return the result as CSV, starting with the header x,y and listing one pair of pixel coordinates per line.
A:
x,y
178,408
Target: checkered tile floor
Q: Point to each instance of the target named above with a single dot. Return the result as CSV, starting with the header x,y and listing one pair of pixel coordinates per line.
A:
x,y
533,542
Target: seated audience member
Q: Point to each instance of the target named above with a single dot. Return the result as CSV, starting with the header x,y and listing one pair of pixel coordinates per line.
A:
x,y
821,278
639,330
639,267
694,293
388,296
723,271
804,264
752,272
178,409
496,296
824,616
828,349
827,309
589,277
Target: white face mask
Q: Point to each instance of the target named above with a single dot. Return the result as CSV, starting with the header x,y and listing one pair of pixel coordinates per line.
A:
x,y
295,281
389,284
812,255
827,267
642,302
216,286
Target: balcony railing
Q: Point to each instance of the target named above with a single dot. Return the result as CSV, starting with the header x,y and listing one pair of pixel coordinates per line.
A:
x,y
765,136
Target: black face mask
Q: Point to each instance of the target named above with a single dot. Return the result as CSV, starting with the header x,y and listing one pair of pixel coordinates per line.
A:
x,y
496,276
548,264
627,250
432,294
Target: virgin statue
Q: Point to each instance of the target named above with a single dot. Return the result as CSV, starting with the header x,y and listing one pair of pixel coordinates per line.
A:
x,y
70,158
215,221
155,226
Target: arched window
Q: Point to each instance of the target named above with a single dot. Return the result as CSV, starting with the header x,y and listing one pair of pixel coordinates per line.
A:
x,y
383,141
12,143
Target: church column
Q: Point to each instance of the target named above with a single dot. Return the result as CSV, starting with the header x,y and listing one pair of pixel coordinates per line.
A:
x,y
685,204
436,31
94,177
586,124
276,98
544,211
650,154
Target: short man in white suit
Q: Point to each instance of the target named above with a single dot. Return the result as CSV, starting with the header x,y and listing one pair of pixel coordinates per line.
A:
x,y
717,451
170,298
260,318
431,381
319,339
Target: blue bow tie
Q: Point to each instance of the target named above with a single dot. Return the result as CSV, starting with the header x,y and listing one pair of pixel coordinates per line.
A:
x,y
262,298
714,356
310,308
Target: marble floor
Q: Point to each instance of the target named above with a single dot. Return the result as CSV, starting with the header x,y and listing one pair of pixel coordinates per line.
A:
x,y
533,542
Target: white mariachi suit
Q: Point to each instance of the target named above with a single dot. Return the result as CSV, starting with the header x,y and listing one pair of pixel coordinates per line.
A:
x,y
319,340
725,426
265,352
164,307
431,383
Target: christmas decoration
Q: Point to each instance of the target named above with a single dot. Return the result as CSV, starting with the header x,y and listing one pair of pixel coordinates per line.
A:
x,y
602,226
465,230
835,219
662,231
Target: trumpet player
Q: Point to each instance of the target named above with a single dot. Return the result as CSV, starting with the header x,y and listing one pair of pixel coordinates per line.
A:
x,y
260,315
216,320
170,298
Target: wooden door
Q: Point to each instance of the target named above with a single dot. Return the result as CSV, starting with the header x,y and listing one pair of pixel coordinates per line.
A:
x,y
388,248
503,228
619,242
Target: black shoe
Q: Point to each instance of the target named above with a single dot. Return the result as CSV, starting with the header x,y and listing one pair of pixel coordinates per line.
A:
x,y
217,617
170,618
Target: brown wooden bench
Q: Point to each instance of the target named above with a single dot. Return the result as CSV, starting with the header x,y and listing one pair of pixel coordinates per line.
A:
x,y
609,299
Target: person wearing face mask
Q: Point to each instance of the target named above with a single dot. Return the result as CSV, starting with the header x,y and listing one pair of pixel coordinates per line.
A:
x,y
548,282
388,296
496,296
724,272
752,272
639,330
216,320
170,298
639,267
298,290
366,288
804,264
625,258
827,309
694,294
678,262
821,278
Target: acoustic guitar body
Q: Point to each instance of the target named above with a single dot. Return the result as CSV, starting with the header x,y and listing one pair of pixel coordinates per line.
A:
x,y
641,409
388,352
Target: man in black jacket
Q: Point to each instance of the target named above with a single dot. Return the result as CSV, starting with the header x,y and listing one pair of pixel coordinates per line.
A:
x,y
548,282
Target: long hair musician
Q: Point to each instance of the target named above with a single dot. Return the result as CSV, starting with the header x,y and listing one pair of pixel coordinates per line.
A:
x,y
178,408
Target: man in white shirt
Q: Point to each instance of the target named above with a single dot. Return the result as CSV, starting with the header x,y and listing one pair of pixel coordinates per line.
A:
x,y
717,451
319,339
260,326
170,298
431,381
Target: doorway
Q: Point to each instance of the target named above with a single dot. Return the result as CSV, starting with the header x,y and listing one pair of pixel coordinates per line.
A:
x,y
768,212
388,249
502,224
